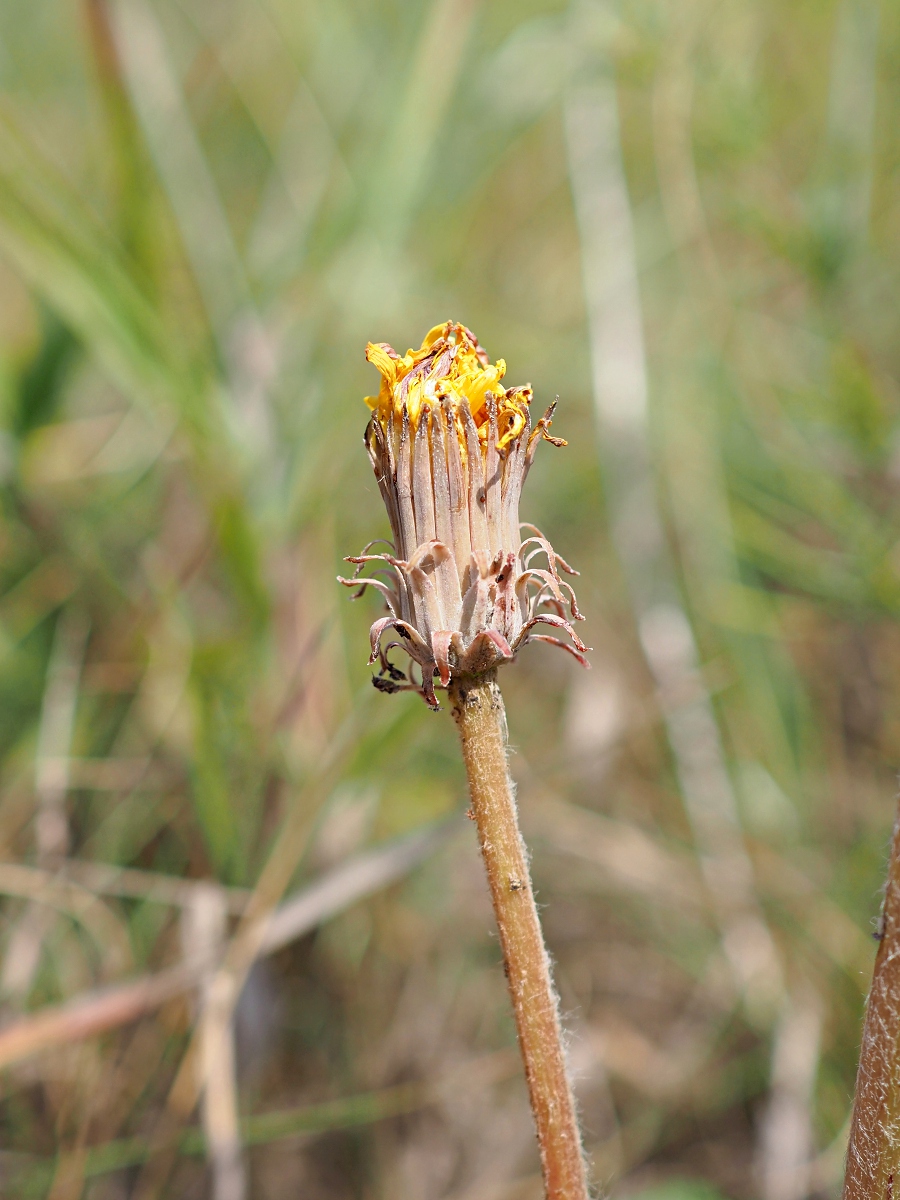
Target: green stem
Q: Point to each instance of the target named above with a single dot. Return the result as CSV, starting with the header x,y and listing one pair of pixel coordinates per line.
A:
x,y
481,719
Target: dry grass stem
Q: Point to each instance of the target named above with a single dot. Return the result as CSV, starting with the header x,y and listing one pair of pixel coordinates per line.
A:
x,y
204,930
621,400
107,1008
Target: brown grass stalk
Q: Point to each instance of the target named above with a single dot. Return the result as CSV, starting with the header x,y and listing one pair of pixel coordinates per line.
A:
x,y
873,1156
481,719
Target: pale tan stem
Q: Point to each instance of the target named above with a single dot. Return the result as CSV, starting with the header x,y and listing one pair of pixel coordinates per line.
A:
x,y
481,719
873,1156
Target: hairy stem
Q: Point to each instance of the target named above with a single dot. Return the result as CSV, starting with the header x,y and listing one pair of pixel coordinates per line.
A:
x,y
481,719
873,1156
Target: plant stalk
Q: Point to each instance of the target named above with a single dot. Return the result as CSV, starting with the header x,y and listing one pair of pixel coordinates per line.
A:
x,y
481,719
873,1156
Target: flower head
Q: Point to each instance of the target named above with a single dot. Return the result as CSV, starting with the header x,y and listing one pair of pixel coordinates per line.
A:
x,y
451,448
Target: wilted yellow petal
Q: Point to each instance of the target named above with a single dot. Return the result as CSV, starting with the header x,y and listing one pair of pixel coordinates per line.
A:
x,y
449,365
378,355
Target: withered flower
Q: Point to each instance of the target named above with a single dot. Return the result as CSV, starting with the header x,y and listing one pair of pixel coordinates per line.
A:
x,y
465,591
451,448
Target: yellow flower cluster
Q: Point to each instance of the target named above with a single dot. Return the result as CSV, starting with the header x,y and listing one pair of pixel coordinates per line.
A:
x,y
449,368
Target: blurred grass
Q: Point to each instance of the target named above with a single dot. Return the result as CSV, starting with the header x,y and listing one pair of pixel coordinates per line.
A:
x,y
205,212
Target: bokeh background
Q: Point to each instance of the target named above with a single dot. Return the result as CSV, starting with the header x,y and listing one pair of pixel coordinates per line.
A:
x,y
682,218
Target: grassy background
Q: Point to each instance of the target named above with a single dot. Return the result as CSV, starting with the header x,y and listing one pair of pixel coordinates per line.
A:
x,y
206,209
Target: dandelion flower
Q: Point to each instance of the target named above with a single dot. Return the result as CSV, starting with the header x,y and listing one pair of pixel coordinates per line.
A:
x,y
451,448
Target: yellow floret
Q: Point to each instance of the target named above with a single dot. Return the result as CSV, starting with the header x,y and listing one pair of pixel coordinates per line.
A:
x,y
449,365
